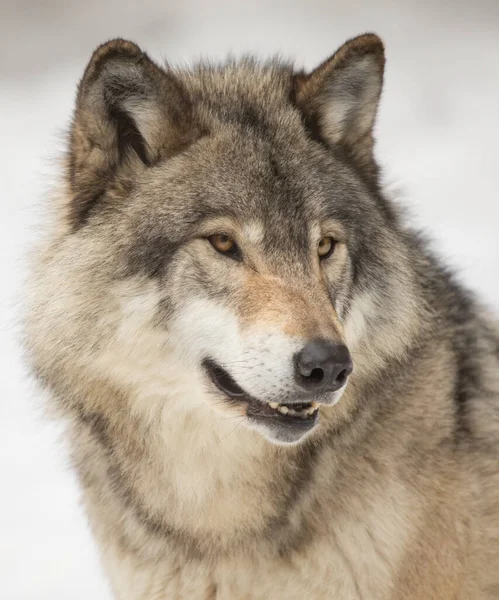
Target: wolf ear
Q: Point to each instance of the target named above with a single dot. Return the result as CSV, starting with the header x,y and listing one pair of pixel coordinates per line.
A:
x,y
129,114
339,99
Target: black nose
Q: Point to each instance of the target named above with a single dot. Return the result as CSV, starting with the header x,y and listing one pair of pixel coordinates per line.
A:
x,y
322,364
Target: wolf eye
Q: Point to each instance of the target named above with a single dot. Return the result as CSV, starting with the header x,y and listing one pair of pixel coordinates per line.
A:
x,y
326,247
225,245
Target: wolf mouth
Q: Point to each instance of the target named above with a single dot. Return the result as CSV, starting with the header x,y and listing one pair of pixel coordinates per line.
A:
x,y
295,414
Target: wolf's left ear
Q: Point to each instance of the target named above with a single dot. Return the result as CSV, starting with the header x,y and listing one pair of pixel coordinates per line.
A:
x,y
339,99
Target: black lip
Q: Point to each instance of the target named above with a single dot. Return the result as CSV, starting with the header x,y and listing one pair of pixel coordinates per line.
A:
x,y
258,410
223,380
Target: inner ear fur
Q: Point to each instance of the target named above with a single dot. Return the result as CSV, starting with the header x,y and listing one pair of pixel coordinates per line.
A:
x,y
339,99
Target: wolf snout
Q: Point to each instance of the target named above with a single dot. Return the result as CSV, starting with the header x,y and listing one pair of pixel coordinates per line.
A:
x,y
322,365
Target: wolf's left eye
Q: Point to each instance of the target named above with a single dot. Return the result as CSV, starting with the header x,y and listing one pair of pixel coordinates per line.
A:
x,y
326,247
225,245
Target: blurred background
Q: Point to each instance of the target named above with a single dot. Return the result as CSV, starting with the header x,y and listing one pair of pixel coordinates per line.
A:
x,y
438,132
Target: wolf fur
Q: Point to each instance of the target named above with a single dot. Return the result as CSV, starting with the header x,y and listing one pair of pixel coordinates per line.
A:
x,y
395,493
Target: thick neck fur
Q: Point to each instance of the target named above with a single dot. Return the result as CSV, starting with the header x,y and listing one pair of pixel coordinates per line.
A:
x,y
167,477
189,473
199,478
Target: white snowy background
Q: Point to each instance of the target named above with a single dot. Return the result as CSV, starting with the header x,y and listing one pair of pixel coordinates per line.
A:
x,y
438,133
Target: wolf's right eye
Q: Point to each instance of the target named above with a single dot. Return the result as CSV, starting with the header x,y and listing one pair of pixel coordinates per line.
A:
x,y
225,245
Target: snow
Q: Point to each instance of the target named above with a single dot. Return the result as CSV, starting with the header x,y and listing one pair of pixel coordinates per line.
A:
x,y
438,132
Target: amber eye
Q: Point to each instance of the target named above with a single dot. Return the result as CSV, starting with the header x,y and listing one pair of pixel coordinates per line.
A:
x,y
225,245
326,247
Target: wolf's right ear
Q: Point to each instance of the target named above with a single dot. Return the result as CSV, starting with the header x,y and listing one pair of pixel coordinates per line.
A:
x,y
128,112
339,99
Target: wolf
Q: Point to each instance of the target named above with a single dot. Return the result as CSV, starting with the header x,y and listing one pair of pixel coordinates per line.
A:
x,y
271,387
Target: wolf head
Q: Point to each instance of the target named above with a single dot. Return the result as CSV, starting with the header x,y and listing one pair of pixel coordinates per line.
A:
x,y
222,242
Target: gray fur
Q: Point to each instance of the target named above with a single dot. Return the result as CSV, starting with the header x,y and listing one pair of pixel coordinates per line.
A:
x,y
395,494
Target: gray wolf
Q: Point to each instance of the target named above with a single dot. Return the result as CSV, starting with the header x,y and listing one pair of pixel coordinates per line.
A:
x,y
271,387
